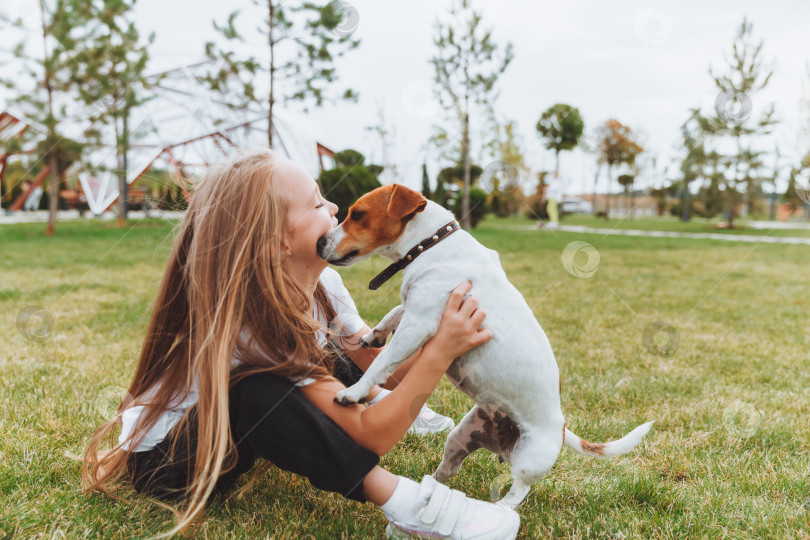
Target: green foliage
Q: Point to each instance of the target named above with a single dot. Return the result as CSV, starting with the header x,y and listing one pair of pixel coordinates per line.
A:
x,y
44,79
479,207
175,200
746,75
467,62
108,66
710,199
440,194
16,173
350,179
617,146
310,37
466,66
455,175
791,196
349,158
507,149
453,178
67,152
426,183
506,202
561,127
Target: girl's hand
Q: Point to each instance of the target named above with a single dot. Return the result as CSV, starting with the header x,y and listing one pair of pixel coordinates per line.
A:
x,y
460,328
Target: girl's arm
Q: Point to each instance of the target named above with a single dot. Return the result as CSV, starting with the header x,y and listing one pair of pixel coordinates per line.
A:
x,y
364,357
379,427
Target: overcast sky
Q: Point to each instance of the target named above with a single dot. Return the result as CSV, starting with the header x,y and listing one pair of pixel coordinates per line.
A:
x,y
643,63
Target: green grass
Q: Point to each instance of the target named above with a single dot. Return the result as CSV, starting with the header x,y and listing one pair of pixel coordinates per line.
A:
x,y
729,455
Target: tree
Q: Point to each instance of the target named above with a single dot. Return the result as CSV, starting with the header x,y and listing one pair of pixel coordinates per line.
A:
x,y
440,195
108,70
694,161
453,177
626,181
561,127
745,76
616,147
466,67
502,176
350,179
477,203
48,75
426,182
791,195
308,37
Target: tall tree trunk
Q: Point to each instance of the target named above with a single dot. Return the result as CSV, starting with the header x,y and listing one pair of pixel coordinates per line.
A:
x,y
595,189
557,165
271,99
465,196
123,188
607,192
53,162
53,193
632,201
685,201
736,184
626,200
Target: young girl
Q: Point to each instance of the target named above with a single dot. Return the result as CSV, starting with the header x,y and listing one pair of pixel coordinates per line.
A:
x,y
233,367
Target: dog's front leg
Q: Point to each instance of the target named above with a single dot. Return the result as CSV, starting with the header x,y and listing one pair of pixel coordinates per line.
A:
x,y
378,336
406,341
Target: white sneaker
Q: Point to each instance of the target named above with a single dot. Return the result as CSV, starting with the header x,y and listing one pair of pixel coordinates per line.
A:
x,y
441,512
429,421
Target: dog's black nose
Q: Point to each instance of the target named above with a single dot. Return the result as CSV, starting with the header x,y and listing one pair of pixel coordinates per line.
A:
x,y
321,245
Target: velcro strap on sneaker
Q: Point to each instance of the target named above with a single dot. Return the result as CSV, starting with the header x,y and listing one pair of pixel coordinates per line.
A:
x,y
435,504
451,514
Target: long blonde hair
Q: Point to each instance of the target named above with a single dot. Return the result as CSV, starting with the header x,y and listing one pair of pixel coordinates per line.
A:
x,y
227,272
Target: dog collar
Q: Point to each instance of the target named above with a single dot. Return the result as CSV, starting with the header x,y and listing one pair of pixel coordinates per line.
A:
x,y
417,250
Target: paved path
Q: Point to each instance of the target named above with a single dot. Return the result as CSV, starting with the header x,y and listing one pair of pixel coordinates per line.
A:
x,y
41,216
671,234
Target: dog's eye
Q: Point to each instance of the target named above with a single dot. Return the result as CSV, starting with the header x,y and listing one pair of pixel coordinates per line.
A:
x,y
357,215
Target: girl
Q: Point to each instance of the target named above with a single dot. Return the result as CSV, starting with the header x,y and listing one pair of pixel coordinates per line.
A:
x,y
233,367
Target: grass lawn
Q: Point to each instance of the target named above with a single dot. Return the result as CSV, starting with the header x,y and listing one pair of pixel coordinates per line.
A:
x,y
729,455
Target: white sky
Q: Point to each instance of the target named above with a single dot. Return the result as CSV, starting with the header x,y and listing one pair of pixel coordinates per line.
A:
x,y
598,56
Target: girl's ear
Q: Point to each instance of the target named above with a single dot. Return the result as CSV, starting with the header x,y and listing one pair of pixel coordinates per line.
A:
x,y
286,251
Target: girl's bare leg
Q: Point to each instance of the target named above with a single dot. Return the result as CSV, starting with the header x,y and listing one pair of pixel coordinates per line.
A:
x,y
379,485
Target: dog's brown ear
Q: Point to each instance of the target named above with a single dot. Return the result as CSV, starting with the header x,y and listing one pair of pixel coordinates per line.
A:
x,y
405,202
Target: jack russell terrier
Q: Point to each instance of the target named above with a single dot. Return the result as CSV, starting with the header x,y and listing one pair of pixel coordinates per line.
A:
x,y
513,378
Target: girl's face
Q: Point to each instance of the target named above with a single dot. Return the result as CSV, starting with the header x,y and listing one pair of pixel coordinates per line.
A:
x,y
310,216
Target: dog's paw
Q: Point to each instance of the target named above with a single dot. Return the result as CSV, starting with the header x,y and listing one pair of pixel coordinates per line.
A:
x,y
350,396
372,340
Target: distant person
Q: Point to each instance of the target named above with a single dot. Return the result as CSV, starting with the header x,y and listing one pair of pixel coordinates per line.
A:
x,y
552,195
32,202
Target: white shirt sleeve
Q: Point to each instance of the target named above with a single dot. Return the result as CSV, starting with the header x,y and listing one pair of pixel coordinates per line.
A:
x,y
347,320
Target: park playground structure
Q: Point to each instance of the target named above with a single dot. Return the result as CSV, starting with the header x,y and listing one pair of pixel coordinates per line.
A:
x,y
183,127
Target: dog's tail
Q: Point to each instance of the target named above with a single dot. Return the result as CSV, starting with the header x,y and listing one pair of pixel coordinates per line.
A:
x,y
608,449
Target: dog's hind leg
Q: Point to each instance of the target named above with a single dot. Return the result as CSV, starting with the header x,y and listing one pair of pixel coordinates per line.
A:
x,y
461,442
380,333
530,461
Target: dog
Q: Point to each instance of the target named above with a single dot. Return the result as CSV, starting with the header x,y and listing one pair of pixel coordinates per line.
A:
x,y
513,378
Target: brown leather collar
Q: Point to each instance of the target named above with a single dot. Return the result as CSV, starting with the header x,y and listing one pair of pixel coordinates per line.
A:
x,y
417,250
